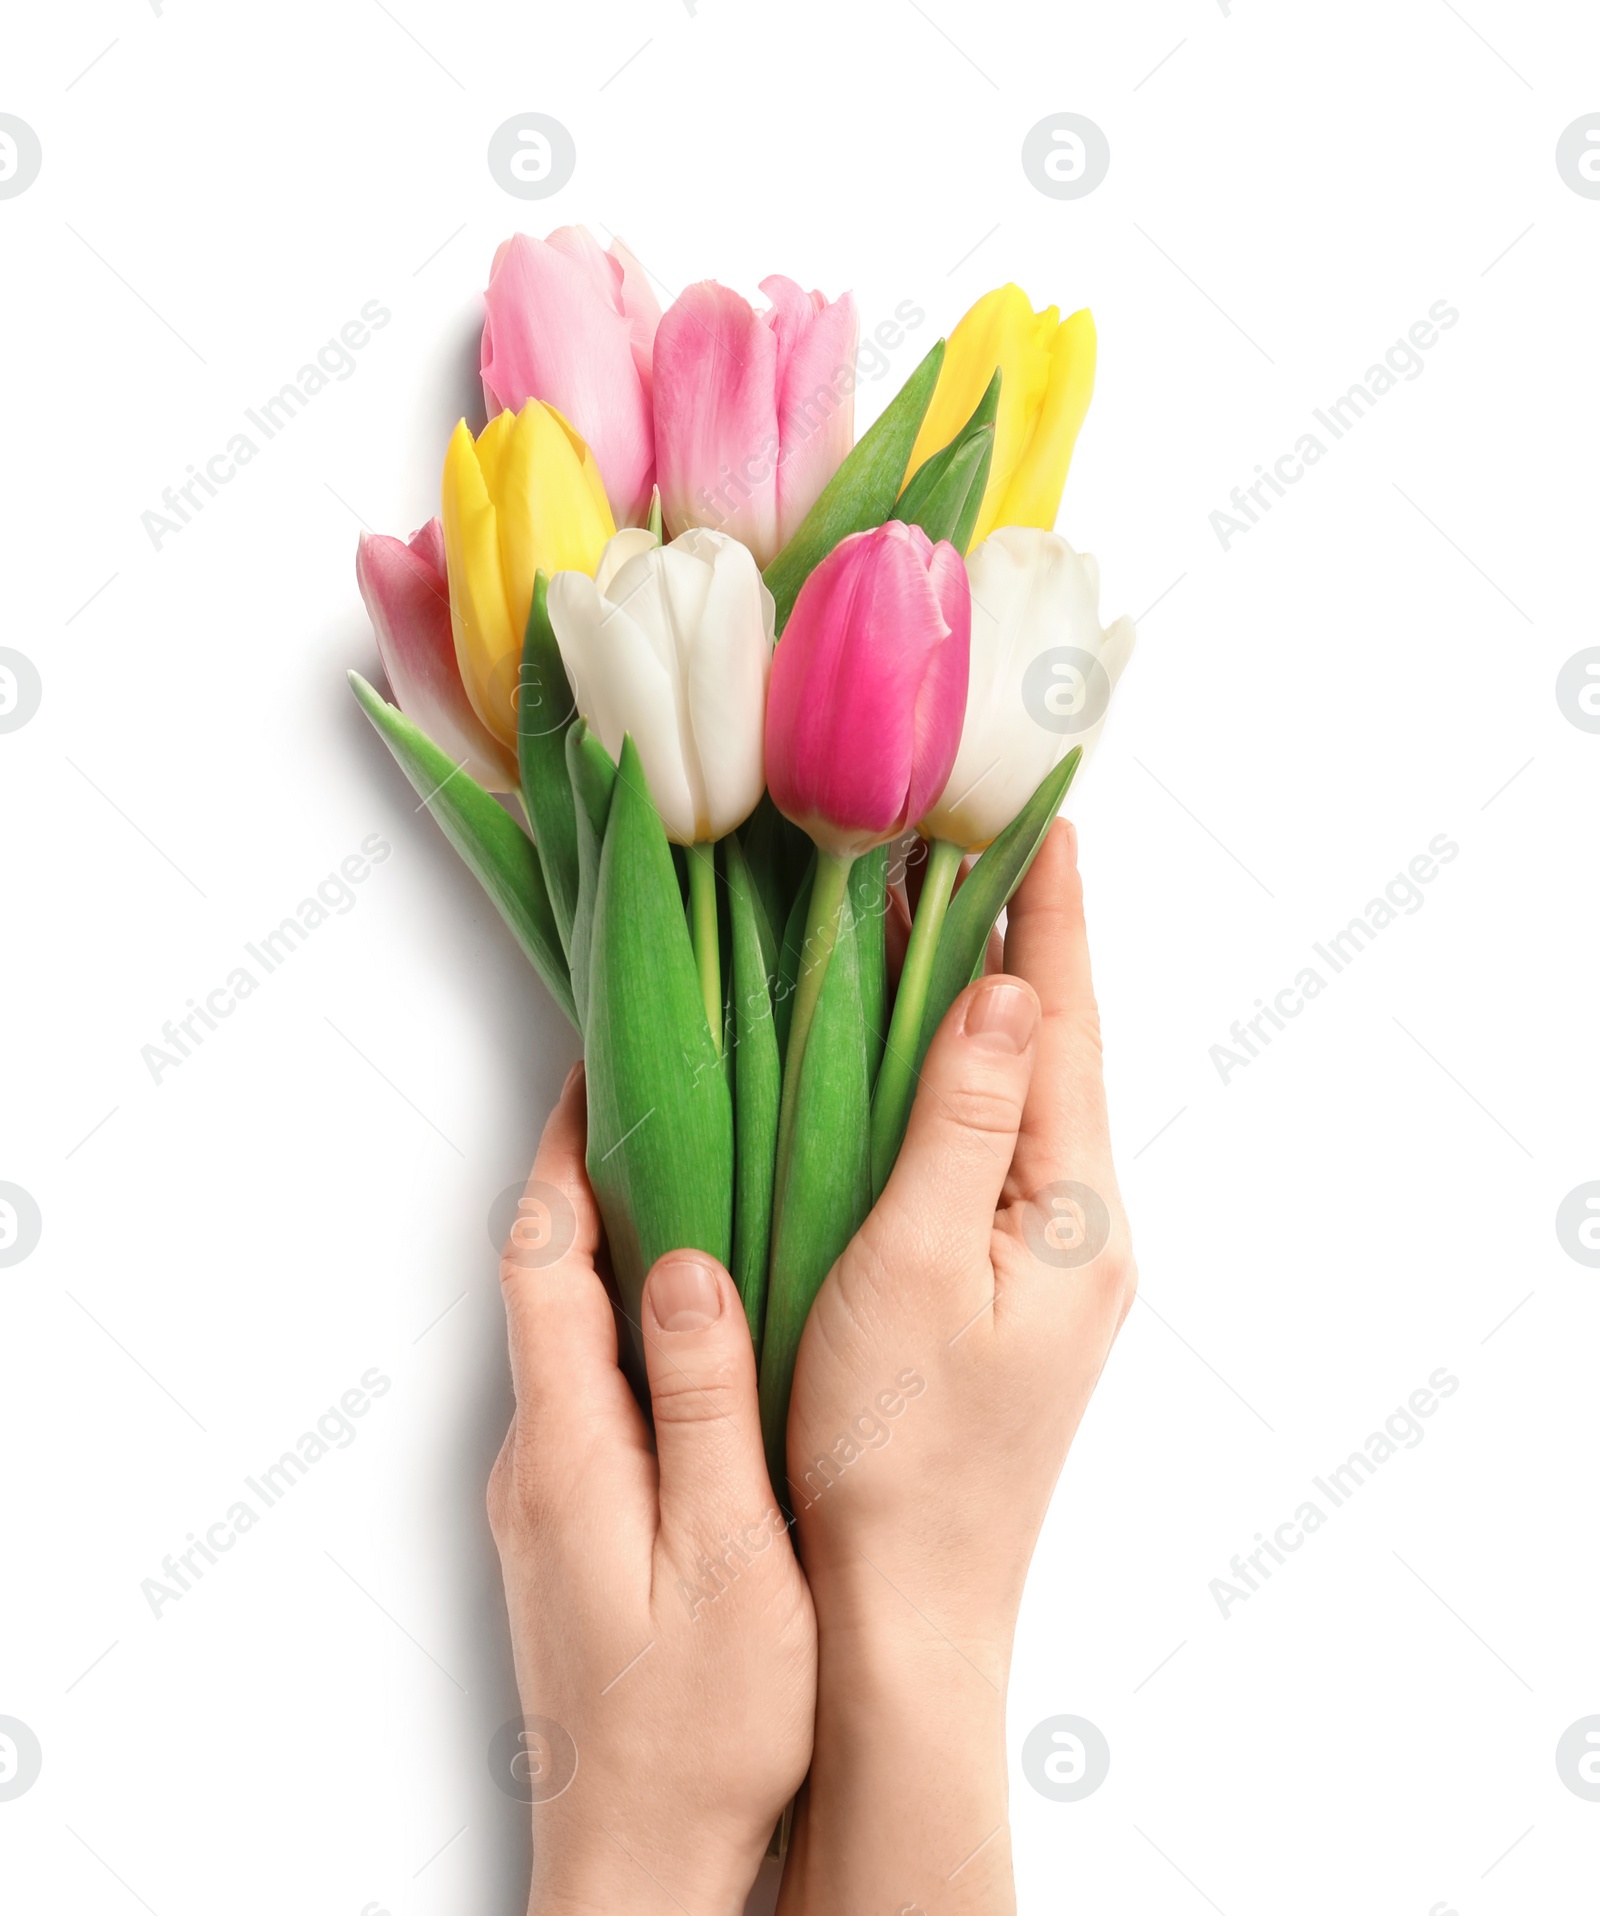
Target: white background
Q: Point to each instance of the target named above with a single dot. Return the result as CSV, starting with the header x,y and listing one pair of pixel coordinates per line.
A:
x,y
225,1252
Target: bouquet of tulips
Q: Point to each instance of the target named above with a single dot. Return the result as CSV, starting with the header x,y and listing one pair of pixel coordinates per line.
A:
x,y
732,669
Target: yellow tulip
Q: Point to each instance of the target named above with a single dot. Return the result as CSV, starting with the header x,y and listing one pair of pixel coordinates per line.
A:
x,y
523,497
1046,379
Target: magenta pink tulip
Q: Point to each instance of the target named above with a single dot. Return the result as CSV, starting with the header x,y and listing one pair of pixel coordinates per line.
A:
x,y
574,326
869,688
753,411
408,598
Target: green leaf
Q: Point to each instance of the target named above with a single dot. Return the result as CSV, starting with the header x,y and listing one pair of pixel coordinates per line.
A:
x,y
869,902
779,856
794,937
945,493
495,848
592,776
943,500
758,1083
660,1154
545,710
828,1188
862,493
984,894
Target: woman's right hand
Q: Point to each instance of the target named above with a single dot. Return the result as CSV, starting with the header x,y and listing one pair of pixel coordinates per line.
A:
x,y
944,1370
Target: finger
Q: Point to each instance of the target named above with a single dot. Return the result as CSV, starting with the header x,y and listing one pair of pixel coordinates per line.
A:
x,y
936,1214
1064,1134
713,1474
560,1326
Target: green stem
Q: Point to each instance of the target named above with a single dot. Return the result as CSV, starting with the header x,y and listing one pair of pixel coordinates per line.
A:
x,y
891,1100
822,934
703,930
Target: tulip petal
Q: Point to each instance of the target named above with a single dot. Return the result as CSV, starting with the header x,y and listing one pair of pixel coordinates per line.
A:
x,y
642,310
403,586
727,681
942,699
1001,330
717,437
1032,595
815,392
556,329
623,685
484,635
628,544
848,736
1032,493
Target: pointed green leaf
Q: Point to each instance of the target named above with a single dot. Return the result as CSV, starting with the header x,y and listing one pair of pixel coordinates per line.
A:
x,y
545,709
660,1153
945,493
828,1188
862,493
779,856
753,1042
984,894
498,852
592,775
794,936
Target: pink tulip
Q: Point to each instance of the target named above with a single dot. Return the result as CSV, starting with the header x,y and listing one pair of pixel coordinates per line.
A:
x,y
408,599
754,411
574,326
869,688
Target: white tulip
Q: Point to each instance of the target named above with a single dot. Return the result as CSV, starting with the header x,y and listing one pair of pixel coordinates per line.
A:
x,y
673,644
1041,677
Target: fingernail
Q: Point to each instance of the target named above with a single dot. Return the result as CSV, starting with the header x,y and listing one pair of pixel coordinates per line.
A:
x,y
1001,1017
685,1295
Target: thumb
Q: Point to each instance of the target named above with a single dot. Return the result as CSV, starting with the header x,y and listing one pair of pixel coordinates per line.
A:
x,y
702,1371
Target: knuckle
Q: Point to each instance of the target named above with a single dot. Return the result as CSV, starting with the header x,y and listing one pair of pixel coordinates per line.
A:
x,y
514,1505
500,1496
994,1110
706,1396
1120,1275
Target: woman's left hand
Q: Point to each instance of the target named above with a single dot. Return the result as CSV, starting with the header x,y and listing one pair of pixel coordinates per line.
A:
x,y
661,1627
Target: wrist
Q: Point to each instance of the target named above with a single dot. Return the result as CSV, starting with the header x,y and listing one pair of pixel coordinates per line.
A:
x,y
884,1628
906,1804
616,1872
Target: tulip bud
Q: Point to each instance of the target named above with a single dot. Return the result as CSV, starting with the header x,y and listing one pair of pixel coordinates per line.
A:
x,y
868,688
524,497
574,326
753,411
408,599
1041,678
672,644
1046,367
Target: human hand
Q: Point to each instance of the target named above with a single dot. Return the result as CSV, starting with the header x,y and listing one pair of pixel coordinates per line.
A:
x,y
943,1372
658,1616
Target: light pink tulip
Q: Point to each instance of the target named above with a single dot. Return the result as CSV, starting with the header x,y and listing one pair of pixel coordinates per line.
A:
x,y
754,411
869,688
408,599
574,326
